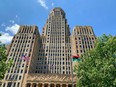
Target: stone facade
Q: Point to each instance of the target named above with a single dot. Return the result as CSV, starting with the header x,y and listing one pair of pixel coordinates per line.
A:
x,y
49,54
49,79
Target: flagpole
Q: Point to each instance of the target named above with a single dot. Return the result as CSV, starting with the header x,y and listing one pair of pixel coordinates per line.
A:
x,y
77,59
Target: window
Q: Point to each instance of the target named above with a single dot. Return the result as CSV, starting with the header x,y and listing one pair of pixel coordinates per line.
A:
x,y
6,77
81,51
57,13
9,69
15,41
83,46
4,84
9,84
23,65
16,77
11,54
76,46
91,46
19,77
12,50
18,84
26,50
28,45
63,63
14,84
77,51
21,71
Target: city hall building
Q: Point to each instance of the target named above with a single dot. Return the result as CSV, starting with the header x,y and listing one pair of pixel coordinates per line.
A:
x,y
49,54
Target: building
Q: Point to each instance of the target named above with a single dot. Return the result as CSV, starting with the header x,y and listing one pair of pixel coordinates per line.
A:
x,y
83,39
23,43
49,55
55,42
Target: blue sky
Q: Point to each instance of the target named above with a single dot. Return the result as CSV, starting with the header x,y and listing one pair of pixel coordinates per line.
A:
x,y
100,14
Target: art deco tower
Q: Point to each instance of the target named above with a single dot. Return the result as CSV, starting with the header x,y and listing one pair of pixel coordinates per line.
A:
x,y
49,54
55,57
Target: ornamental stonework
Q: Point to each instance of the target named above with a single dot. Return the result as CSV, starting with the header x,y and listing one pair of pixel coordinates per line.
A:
x,y
51,77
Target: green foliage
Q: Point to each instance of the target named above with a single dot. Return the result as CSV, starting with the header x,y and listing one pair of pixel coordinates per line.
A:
x,y
3,65
97,67
2,61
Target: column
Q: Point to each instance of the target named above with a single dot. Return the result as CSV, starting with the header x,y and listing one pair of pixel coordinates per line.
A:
x,y
66,85
31,85
37,85
60,85
48,85
43,85
72,85
54,85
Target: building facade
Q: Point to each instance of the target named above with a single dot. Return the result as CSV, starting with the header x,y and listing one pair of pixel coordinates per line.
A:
x,y
23,43
49,54
55,57
83,39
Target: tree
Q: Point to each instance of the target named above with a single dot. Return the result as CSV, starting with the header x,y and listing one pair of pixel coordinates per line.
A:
x,y
97,67
3,65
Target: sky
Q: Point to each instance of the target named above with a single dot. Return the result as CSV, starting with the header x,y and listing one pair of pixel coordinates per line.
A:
x,y
100,14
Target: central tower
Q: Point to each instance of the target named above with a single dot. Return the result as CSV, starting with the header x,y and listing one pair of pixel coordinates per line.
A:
x,y
56,44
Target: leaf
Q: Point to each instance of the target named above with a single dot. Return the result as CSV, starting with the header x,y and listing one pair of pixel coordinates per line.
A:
x,y
98,66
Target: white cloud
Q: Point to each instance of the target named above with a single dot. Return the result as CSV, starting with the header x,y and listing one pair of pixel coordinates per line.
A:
x,y
13,29
12,21
16,16
52,4
42,3
5,38
3,25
